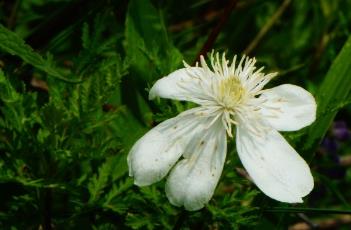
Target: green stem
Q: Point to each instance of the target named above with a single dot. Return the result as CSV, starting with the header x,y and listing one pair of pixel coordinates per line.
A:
x,y
306,210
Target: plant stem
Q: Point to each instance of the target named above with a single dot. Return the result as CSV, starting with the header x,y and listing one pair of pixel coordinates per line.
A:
x,y
47,209
216,30
306,210
267,27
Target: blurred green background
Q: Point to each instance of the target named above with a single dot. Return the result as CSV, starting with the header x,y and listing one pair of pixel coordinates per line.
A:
x,y
74,80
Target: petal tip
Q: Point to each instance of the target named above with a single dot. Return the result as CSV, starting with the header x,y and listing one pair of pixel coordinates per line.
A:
x,y
152,93
141,183
292,199
187,206
297,200
194,209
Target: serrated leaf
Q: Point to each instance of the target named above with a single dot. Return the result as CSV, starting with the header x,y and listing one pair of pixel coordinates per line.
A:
x,y
11,43
151,54
13,111
105,176
147,43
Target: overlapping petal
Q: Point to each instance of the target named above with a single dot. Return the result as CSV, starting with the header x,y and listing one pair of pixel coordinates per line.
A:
x,y
186,84
275,167
153,155
193,180
288,107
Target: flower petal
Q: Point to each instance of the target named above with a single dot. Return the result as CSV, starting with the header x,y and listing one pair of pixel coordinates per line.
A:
x,y
193,180
275,167
184,84
154,154
288,107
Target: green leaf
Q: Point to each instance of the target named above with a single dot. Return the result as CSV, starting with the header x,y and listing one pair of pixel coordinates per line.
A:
x,y
99,182
108,173
7,93
332,93
11,43
13,111
151,53
147,43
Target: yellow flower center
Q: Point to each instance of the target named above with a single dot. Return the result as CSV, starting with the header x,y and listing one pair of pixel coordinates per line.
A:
x,y
231,92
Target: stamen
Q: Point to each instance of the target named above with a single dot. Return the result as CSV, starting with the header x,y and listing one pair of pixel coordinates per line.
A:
x,y
203,63
232,66
213,120
233,94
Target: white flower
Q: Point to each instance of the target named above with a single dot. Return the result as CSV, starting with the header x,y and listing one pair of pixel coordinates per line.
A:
x,y
227,95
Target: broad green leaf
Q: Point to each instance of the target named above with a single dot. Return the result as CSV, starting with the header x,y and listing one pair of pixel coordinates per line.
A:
x,y
151,53
11,43
147,43
332,93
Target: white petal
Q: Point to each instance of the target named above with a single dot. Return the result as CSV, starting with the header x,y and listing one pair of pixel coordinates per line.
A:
x,y
153,155
275,167
288,107
193,180
185,84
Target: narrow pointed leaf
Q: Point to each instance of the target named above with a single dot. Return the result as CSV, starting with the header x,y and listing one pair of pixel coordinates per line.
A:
x,y
332,93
